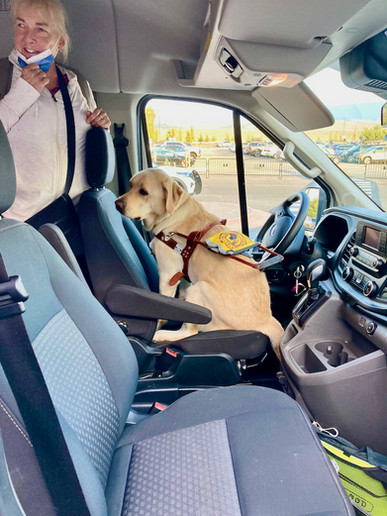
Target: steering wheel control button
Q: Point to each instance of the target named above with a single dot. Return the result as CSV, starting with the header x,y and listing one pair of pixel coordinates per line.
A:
x,y
370,289
370,328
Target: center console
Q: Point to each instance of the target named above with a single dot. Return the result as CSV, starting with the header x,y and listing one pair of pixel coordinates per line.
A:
x,y
334,351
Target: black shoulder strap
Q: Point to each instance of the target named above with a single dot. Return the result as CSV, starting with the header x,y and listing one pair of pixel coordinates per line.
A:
x,y
124,171
70,127
85,88
33,399
6,68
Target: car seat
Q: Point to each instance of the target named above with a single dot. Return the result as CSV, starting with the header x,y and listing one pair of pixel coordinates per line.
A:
x,y
120,264
230,450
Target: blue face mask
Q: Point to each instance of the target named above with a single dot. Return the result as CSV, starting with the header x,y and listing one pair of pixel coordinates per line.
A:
x,y
44,60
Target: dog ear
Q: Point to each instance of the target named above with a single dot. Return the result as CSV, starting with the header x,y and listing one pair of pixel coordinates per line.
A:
x,y
173,193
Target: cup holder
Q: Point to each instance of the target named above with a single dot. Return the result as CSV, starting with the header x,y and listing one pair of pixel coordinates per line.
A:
x,y
333,352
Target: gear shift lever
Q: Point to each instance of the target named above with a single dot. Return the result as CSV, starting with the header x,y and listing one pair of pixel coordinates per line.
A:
x,y
316,271
316,296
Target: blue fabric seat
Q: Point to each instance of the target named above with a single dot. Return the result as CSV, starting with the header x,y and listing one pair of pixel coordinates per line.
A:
x,y
227,451
117,254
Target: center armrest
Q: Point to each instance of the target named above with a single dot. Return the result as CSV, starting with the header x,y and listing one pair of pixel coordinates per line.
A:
x,y
137,302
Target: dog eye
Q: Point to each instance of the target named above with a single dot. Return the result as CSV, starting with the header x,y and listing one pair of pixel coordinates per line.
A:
x,y
143,192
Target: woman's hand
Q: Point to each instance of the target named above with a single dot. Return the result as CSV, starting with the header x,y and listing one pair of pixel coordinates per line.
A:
x,y
35,76
98,118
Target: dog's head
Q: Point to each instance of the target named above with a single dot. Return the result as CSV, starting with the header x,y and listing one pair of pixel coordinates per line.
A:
x,y
152,197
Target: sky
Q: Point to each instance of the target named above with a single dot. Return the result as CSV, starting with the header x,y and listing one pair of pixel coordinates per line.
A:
x,y
330,89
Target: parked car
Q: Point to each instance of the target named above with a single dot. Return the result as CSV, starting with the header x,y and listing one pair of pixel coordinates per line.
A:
x,y
187,147
255,148
347,155
172,155
189,180
377,154
271,150
339,148
330,152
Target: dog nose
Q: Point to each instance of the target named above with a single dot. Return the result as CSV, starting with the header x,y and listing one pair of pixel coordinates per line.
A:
x,y
119,205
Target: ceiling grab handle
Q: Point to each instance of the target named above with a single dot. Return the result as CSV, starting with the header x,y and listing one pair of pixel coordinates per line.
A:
x,y
288,151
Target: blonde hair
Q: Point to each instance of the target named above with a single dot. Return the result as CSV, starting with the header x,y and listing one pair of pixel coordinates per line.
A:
x,y
57,18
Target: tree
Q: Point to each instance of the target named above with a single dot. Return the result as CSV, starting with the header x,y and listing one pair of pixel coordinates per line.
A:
x,y
150,117
313,208
374,133
171,134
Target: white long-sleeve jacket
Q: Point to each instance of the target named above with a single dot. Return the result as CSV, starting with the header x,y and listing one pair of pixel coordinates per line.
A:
x,y
36,127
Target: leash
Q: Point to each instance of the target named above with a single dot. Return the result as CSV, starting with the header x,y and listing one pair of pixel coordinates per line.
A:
x,y
194,239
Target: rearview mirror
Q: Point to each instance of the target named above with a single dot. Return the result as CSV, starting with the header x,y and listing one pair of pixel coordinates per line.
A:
x,y
364,67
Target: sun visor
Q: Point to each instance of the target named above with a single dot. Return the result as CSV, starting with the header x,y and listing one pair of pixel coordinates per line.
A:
x,y
284,105
245,45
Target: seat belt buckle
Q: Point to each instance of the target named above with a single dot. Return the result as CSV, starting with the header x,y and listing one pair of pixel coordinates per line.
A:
x,y
12,297
156,408
165,360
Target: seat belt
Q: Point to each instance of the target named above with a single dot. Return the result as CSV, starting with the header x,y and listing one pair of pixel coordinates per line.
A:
x,y
124,171
29,388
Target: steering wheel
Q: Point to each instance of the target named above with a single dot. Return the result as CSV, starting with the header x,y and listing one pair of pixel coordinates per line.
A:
x,y
283,226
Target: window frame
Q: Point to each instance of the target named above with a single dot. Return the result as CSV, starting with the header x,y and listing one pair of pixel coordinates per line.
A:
x,y
145,157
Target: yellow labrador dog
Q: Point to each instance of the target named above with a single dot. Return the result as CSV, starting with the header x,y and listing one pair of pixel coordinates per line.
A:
x,y
237,295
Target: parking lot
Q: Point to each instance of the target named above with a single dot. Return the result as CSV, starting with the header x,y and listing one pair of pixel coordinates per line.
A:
x,y
267,179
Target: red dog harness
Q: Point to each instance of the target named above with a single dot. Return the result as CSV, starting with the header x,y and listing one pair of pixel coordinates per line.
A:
x,y
193,240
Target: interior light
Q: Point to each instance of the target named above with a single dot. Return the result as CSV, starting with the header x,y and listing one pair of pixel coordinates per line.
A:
x,y
273,79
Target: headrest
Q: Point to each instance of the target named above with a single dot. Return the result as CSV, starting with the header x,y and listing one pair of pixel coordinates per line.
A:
x,y
7,173
100,157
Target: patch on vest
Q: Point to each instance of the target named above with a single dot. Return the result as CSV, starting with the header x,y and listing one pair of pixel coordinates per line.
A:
x,y
230,242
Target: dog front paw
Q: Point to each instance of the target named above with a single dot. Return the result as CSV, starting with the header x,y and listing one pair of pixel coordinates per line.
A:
x,y
164,335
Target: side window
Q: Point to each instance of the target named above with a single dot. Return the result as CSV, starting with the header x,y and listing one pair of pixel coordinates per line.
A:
x,y
195,144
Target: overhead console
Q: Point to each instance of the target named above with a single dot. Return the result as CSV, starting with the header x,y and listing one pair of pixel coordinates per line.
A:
x,y
245,44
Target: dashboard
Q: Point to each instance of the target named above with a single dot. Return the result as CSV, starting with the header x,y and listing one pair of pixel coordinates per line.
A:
x,y
334,350
355,244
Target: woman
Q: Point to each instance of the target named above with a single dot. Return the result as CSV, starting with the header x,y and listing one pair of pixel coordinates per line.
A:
x,y
32,112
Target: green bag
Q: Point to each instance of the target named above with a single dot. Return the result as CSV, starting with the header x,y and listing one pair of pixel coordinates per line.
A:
x,y
362,472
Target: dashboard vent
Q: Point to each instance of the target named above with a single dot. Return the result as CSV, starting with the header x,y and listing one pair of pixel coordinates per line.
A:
x,y
346,254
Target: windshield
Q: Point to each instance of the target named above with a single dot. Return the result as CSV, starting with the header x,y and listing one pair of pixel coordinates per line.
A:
x,y
356,142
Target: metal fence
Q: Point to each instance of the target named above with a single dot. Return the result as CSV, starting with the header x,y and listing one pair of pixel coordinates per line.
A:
x,y
375,171
254,166
278,167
